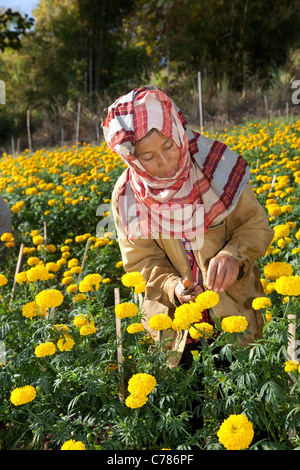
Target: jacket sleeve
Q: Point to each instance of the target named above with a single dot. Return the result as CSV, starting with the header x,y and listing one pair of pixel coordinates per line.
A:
x,y
248,234
146,257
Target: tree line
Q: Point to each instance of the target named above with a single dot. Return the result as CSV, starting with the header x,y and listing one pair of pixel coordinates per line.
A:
x,y
93,51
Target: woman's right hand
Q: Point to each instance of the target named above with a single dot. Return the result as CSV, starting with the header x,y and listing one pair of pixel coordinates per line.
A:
x,y
184,284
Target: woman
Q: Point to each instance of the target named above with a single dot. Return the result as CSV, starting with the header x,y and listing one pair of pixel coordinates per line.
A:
x,y
185,213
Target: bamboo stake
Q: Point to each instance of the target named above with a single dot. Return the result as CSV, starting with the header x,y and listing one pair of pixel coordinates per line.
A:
x,y
200,101
84,257
29,131
45,240
119,349
17,270
291,349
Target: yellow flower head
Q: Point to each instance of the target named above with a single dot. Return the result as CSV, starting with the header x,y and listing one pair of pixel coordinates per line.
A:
x,y
234,324
37,273
277,269
207,299
22,395
199,330
261,302
133,401
236,432
160,321
132,279
45,349
73,445
49,298
135,328
126,309
3,280
288,285
30,310
141,384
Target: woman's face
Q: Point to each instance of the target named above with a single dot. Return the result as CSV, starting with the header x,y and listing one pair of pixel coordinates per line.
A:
x,y
158,154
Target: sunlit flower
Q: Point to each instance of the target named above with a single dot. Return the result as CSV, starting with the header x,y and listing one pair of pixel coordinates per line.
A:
x,y
73,445
45,349
234,324
236,432
126,309
22,395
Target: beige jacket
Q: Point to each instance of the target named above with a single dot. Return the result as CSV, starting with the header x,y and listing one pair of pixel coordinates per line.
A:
x,y
243,234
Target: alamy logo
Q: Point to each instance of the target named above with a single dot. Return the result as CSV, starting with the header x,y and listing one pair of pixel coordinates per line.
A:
x,y
2,352
2,92
296,94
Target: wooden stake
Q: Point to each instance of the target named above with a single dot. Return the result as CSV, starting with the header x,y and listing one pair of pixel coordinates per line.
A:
x,y
17,269
84,257
119,349
29,131
45,241
200,101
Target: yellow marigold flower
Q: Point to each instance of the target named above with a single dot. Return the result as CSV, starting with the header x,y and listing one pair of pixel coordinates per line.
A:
x,y
65,343
22,395
87,330
51,202
33,261
161,321
38,273
119,264
236,432
261,302
7,237
80,320
126,309
186,314
141,384
281,231
79,297
54,267
73,262
73,445
45,349
234,324
3,280
139,288
37,240
21,277
268,317
290,366
91,282
49,298
67,280
72,288
277,269
132,279
30,310
106,280
207,299
205,329
288,285
135,328
136,401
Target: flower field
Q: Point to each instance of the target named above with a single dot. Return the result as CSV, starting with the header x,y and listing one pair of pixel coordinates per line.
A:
x,y
66,384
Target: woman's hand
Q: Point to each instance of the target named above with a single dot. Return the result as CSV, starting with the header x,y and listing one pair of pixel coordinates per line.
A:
x,y
222,272
185,284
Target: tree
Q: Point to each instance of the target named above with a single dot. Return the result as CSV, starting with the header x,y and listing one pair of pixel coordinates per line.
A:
x,y
12,27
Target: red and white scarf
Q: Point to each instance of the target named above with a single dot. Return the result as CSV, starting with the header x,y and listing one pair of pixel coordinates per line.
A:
x,y
208,182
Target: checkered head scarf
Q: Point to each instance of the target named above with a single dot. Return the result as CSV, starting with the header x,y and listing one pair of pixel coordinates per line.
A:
x,y
205,187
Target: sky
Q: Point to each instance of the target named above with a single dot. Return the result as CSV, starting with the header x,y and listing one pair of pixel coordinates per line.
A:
x,y
23,6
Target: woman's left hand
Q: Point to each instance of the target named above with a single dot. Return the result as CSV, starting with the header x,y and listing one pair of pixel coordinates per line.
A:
x,y
222,272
